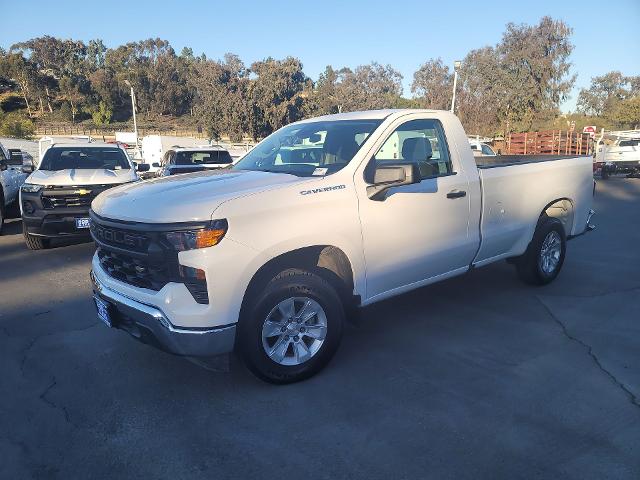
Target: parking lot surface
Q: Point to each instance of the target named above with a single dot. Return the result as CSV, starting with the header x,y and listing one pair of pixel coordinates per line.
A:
x,y
480,376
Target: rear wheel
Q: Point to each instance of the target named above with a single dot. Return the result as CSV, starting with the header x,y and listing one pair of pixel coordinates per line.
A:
x,y
292,329
33,242
543,260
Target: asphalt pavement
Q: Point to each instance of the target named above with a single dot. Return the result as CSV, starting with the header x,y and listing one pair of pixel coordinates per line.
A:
x,y
476,377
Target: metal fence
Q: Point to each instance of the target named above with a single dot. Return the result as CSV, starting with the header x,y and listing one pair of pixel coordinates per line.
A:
x,y
72,130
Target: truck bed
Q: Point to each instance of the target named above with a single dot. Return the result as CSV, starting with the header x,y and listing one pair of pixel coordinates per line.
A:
x,y
512,197
507,160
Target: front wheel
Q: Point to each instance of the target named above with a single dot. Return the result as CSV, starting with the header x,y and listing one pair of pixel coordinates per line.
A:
x,y
292,329
34,242
542,261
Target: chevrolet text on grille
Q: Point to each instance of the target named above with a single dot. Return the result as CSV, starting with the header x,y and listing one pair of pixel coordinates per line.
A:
x,y
117,236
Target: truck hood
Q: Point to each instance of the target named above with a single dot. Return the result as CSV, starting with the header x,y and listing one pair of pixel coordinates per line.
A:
x,y
81,176
184,198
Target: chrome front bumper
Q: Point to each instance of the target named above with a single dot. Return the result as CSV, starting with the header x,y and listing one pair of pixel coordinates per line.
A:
x,y
150,325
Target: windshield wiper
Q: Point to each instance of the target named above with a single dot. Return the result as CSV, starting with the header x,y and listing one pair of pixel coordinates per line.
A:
x,y
277,171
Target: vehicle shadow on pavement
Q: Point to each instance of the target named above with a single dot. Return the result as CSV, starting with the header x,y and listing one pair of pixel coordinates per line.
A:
x,y
479,373
14,227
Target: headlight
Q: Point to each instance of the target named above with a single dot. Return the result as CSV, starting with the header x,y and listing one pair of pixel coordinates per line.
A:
x,y
201,238
31,188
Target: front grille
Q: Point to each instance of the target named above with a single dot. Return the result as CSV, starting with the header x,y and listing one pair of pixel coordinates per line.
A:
x,y
71,197
121,238
66,201
134,271
141,256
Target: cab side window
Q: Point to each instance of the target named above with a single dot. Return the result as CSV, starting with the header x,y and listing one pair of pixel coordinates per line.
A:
x,y
419,141
486,150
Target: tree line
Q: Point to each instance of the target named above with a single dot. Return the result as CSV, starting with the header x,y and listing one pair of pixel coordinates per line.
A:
x,y
516,85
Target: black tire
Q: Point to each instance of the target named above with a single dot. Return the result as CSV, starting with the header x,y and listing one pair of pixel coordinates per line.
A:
x,y
529,266
33,242
604,173
290,283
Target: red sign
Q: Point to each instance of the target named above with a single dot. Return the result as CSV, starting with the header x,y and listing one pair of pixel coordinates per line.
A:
x,y
590,129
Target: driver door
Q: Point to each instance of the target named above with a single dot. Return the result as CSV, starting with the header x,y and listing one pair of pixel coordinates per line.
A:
x,y
421,231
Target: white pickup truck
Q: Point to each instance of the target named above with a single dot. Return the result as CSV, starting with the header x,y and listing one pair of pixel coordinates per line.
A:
x,y
271,256
618,152
55,199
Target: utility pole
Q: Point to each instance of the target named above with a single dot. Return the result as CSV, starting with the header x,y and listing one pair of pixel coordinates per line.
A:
x,y
456,66
133,108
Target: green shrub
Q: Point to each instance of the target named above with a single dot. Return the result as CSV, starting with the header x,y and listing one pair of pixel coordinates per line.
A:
x,y
15,126
102,115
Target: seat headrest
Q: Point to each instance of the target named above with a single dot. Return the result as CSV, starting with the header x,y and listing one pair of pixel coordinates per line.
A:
x,y
416,149
339,149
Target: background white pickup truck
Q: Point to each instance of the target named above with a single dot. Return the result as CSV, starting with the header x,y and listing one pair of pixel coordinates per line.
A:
x,y
324,215
621,153
56,197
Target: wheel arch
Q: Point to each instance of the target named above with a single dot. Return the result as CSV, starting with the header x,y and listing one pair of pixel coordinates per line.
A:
x,y
326,260
562,209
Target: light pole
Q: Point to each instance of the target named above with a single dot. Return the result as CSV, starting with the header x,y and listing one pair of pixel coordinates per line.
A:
x,y
456,66
133,108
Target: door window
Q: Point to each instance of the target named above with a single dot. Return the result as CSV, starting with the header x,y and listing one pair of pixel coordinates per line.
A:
x,y
486,150
419,141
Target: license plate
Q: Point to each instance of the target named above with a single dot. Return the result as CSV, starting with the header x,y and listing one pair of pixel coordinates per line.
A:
x,y
103,311
82,223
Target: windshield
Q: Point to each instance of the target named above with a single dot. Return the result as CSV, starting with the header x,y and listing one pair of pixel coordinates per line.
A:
x,y
68,158
306,149
215,157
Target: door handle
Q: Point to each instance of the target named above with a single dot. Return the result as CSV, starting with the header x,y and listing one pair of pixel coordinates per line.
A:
x,y
456,194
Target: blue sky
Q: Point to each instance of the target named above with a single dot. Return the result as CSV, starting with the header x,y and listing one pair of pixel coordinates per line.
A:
x,y
339,33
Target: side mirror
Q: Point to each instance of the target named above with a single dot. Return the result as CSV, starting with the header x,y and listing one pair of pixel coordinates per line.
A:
x,y
392,174
27,167
3,165
143,167
155,165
